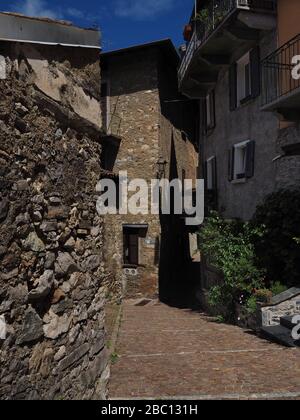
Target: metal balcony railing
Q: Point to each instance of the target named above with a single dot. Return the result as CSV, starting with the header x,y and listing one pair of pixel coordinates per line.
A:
x,y
209,19
279,75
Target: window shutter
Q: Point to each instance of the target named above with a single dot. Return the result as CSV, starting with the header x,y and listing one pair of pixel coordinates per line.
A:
x,y
205,175
233,87
214,174
204,117
255,72
134,249
213,109
231,164
250,159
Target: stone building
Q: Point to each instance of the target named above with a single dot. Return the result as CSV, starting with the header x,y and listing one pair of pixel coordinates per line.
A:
x,y
241,143
154,130
52,279
239,64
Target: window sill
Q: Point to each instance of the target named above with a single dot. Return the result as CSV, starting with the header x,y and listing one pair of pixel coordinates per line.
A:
x,y
239,181
244,102
130,266
134,266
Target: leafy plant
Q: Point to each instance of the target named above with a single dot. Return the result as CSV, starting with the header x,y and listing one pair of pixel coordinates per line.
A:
x,y
251,305
278,248
203,16
210,18
263,295
297,240
277,288
114,358
220,319
228,246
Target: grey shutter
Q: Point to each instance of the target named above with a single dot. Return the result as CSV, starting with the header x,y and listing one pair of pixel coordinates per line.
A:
x,y
250,159
233,87
205,175
214,174
213,109
231,164
204,116
255,72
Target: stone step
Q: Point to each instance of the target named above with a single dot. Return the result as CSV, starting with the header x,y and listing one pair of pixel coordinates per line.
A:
x,y
280,335
286,322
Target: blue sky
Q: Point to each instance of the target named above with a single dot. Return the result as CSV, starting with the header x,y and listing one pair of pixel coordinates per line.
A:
x,y
123,22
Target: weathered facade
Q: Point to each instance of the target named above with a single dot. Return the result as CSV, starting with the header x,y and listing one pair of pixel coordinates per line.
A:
x,y
239,63
242,153
151,123
52,279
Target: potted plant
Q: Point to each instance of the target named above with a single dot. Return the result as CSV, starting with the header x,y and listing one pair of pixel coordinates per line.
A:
x,y
188,32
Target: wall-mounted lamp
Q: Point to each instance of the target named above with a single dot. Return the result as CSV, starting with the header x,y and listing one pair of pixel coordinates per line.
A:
x,y
161,166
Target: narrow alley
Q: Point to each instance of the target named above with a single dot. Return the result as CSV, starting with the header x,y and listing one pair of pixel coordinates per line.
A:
x,y
168,353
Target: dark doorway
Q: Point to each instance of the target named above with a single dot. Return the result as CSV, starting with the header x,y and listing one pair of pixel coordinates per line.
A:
x,y
179,276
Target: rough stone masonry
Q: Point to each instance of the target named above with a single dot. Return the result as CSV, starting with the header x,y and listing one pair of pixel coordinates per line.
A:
x,y
52,285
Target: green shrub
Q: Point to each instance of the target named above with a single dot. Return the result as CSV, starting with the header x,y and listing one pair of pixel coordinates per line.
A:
x,y
278,249
228,245
277,288
251,305
219,319
263,295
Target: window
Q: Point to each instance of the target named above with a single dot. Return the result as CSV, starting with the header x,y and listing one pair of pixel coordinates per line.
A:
x,y
131,241
131,246
241,161
211,174
244,79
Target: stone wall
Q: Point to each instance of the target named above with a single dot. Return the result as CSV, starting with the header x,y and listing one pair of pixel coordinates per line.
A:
x,y
53,284
285,304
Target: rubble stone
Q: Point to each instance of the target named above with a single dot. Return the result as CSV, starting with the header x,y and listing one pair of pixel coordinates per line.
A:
x,y
45,285
34,243
32,329
56,326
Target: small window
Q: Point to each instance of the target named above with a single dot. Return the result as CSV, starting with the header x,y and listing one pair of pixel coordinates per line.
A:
x,y
131,246
243,78
131,242
240,155
241,161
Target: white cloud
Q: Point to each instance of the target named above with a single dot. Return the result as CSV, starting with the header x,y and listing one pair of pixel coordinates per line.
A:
x,y
75,13
37,8
142,9
42,8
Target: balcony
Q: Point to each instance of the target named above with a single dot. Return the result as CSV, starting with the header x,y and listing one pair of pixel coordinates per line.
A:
x,y
281,81
222,30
